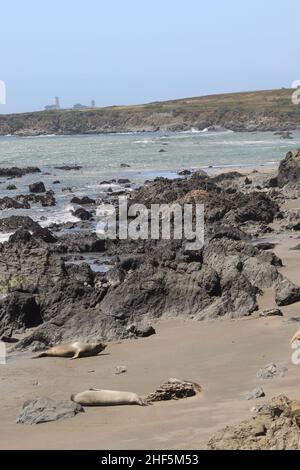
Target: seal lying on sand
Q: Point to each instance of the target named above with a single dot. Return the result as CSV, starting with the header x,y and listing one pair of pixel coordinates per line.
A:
x,y
97,397
296,337
73,350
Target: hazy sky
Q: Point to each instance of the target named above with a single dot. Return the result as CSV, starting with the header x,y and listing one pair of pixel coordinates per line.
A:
x,y
133,51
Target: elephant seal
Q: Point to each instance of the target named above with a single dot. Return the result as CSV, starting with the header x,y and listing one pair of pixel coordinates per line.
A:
x,y
73,350
98,397
296,337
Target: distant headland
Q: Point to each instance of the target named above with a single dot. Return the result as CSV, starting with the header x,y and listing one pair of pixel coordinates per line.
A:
x,y
270,110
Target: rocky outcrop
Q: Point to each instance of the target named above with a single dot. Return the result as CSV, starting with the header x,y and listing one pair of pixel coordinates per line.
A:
x,y
15,172
17,312
289,169
79,242
274,426
15,222
46,200
220,207
149,279
286,292
10,203
222,279
44,410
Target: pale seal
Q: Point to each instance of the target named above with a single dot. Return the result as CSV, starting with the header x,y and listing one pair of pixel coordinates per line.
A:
x,y
73,350
98,397
296,337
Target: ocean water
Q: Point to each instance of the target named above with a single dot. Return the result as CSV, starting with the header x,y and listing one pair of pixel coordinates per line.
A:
x,y
101,155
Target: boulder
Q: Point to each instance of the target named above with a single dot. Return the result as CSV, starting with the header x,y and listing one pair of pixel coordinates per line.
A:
x,y
10,203
272,371
289,169
83,200
123,181
255,393
286,292
273,426
271,312
44,410
38,187
82,214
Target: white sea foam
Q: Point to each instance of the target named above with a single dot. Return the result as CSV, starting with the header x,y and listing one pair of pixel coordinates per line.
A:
x,y
61,216
4,237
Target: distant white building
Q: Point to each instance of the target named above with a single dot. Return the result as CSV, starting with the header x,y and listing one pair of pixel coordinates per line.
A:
x,y
56,104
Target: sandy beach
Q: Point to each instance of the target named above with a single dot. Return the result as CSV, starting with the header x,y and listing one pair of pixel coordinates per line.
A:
x,y
222,356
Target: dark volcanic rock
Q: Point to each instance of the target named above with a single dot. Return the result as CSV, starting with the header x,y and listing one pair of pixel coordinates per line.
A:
x,y
82,214
223,279
286,292
79,242
17,311
266,246
46,200
18,172
231,175
37,187
231,209
11,187
123,181
142,331
44,410
289,169
43,234
184,172
272,182
15,222
68,167
83,200
10,203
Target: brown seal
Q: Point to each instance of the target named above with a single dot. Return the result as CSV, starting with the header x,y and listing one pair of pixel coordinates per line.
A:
x,y
73,350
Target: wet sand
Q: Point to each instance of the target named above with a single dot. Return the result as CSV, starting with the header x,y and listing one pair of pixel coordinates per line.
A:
x,y
222,356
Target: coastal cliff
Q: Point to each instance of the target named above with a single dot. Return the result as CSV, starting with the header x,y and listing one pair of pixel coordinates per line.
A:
x,y
251,111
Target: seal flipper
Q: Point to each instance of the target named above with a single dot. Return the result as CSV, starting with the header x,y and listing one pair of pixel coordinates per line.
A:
x,y
76,355
144,402
40,355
